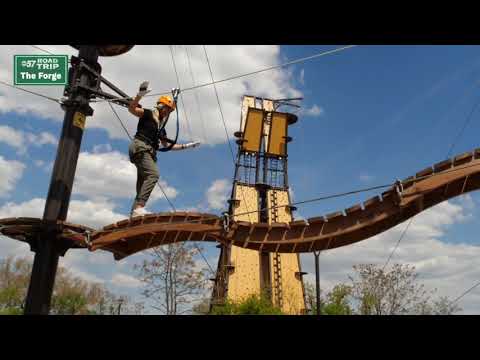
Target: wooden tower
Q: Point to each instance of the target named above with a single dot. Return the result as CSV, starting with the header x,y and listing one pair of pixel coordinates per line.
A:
x,y
260,194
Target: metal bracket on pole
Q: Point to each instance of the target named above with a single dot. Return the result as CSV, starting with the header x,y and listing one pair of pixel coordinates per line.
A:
x,y
286,102
87,238
175,93
226,221
399,190
95,90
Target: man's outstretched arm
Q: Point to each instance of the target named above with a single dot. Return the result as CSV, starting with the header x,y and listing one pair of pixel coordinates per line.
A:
x,y
133,107
177,147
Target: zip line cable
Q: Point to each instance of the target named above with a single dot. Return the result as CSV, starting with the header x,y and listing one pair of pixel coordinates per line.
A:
x,y
194,87
404,232
195,93
121,122
161,188
31,92
130,137
39,48
250,73
333,196
219,106
224,124
465,293
314,56
181,95
452,146
467,121
327,197
191,138
272,67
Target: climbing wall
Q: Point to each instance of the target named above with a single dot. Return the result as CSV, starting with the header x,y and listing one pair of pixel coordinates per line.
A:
x,y
251,271
287,284
244,279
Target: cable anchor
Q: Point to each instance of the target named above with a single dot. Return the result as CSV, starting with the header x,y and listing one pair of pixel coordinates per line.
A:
x,y
399,189
226,221
88,238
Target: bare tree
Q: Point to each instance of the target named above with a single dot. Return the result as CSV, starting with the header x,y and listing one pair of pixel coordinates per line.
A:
x,y
172,278
394,292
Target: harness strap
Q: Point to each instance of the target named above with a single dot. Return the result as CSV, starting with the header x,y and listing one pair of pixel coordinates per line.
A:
x,y
172,142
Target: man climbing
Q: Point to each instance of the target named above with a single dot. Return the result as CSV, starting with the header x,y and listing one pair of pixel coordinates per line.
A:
x,y
143,148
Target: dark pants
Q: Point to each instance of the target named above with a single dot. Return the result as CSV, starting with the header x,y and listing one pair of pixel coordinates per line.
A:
x,y
143,156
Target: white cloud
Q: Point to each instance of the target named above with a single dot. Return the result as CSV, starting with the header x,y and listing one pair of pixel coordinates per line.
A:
x,y
89,213
11,171
45,138
20,140
102,148
84,275
191,209
48,167
11,137
111,175
95,214
153,63
314,111
449,267
302,77
217,194
78,261
39,163
466,201
126,281
366,178
10,247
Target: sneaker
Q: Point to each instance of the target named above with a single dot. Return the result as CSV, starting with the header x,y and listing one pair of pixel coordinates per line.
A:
x,y
139,212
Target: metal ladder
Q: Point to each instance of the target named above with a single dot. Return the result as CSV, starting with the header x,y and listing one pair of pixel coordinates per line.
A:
x,y
277,261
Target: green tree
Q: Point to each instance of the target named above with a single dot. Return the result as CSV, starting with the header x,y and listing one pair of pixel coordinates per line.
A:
x,y
71,295
14,280
377,291
338,301
252,305
202,307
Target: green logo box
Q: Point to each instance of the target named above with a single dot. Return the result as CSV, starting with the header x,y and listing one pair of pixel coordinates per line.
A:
x,y
40,69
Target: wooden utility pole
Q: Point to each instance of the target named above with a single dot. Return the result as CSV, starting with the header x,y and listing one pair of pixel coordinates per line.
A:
x,y
47,247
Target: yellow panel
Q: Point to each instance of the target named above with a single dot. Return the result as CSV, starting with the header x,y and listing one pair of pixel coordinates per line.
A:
x,y
248,101
245,279
253,130
278,133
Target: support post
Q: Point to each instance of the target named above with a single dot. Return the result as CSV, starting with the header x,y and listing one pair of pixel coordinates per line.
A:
x,y
317,280
46,247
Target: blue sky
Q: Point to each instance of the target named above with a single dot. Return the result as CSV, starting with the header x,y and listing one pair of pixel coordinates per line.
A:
x,y
384,112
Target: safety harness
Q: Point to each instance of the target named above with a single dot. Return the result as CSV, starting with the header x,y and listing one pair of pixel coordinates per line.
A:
x,y
171,142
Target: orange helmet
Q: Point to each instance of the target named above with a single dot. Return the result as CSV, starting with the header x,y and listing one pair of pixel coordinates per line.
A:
x,y
167,101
